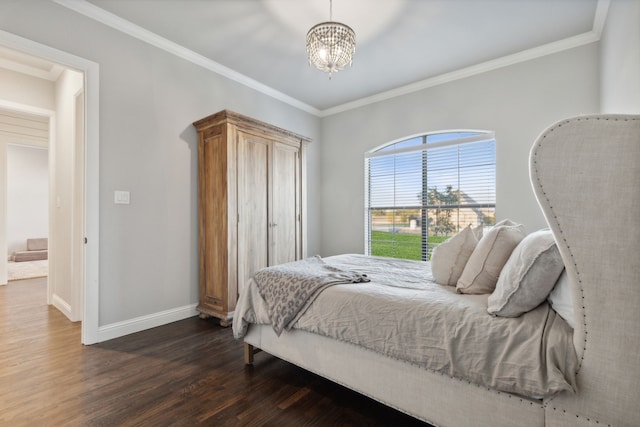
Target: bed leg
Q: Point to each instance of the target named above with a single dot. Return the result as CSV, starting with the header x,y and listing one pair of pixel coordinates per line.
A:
x,y
249,351
248,354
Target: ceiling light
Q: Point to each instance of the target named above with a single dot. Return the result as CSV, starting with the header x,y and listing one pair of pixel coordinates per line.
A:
x,y
330,45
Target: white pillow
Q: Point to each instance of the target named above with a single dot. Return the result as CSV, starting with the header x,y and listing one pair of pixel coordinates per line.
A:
x,y
561,299
528,276
478,232
490,255
449,258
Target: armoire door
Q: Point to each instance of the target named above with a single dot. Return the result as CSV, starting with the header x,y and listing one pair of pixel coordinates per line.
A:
x,y
253,205
285,205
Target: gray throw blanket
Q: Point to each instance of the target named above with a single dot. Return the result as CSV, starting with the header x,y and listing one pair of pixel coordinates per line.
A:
x,y
289,289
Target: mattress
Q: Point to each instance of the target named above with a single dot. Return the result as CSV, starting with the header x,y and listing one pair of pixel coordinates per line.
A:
x,y
402,313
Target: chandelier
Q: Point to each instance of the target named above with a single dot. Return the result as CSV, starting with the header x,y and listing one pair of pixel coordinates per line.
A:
x,y
330,45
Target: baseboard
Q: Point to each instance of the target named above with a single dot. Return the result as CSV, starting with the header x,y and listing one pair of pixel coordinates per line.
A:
x,y
119,329
63,306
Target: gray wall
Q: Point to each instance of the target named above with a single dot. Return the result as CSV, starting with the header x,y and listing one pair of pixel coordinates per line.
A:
x,y
517,102
620,58
148,100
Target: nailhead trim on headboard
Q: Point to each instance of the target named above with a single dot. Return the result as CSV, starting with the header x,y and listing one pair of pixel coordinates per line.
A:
x,y
534,155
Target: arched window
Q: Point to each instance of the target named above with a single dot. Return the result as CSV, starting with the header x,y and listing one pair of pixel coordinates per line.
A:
x,y
421,190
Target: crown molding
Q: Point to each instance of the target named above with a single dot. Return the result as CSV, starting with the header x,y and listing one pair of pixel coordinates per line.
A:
x,y
52,74
600,17
89,10
505,61
602,9
107,18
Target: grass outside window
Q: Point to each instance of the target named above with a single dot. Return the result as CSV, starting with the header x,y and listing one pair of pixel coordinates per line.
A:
x,y
401,245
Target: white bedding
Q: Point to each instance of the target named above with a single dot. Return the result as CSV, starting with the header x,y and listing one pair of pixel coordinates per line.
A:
x,y
403,314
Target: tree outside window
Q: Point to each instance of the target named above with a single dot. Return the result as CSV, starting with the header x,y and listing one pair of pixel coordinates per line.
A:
x,y
422,190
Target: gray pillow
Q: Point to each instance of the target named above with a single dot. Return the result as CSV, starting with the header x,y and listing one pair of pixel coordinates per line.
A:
x,y
490,255
528,276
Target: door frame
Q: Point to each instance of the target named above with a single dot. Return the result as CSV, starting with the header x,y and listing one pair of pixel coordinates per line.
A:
x,y
90,70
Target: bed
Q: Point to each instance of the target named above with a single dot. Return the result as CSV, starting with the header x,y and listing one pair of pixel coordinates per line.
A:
x,y
368,330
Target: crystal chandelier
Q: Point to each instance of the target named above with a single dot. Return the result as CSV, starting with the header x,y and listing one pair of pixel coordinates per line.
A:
x,y
330,45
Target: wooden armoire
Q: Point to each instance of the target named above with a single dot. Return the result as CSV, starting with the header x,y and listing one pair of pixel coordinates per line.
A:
x,y
252,205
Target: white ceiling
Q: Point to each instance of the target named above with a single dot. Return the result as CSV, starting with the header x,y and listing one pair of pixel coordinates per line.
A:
x,y
401,44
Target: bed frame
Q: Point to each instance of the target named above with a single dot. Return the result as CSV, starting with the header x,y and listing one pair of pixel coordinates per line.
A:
x,y
585,173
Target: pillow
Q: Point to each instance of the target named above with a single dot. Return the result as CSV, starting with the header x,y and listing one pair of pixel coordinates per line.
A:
x,y
561,299
490,255
528,276
449,258
478,232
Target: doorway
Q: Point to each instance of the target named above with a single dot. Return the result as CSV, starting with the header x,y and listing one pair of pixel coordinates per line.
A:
x,y
73,195
27,228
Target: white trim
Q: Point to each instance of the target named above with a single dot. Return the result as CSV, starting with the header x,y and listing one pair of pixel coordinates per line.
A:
x,y
91,295
4,255
78,205
24,108
485,136
89,10
52,276
602,9
23,140
51,75
62,305
90,69
26,144
119,329
107,18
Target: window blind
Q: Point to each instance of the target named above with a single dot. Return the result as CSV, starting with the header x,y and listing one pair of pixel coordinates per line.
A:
x,y
420,191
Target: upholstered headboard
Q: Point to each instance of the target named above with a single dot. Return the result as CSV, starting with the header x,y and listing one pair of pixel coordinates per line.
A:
x,y
585,173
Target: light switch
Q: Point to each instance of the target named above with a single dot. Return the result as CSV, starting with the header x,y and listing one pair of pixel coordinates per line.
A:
x,y
121,197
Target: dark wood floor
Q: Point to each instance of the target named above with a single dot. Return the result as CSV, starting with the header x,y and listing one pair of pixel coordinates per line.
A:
x,y
187,373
